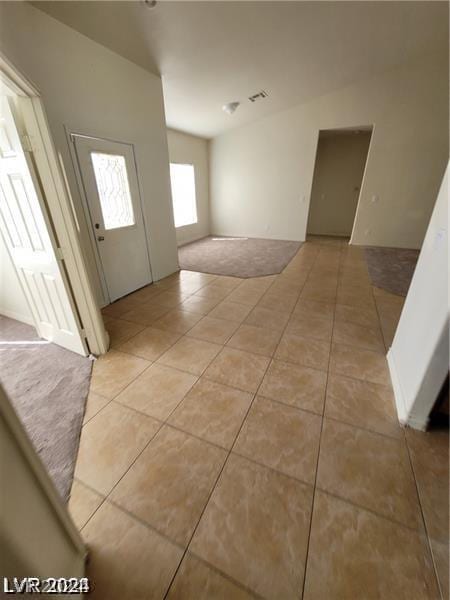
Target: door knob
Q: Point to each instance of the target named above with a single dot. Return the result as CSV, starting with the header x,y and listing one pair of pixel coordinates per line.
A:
x,y
100,238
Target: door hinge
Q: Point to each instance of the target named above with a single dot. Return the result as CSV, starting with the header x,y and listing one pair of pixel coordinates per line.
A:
x,y
59,253
26,143
83,333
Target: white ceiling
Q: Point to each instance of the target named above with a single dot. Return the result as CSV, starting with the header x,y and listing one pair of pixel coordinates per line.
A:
x,y
212,53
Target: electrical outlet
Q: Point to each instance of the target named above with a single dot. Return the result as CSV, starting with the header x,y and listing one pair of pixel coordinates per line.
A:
x,y
374,199
439,238
367,232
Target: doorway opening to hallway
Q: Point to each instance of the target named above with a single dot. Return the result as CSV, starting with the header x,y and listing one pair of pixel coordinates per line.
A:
x,y
338,175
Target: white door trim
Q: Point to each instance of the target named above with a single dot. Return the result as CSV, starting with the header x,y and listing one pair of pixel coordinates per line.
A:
x,y
54,183
87,216
363,183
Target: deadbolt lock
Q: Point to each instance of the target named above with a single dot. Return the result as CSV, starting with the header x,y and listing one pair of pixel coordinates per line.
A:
x,y
100,238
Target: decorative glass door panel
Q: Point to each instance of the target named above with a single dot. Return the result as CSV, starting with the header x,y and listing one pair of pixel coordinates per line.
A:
x,y
113,190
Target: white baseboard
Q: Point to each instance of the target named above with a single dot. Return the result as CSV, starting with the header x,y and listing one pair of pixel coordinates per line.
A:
x,y
191,239
418,424
405,418
17,316
398,392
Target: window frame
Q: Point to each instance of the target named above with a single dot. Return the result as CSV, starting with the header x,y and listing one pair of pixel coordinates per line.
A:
x,y
184,164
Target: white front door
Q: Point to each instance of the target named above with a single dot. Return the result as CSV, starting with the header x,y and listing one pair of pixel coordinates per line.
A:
x,y
27,233
110,183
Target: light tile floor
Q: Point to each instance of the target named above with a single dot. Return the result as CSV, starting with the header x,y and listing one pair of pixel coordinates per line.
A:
x,y
241,441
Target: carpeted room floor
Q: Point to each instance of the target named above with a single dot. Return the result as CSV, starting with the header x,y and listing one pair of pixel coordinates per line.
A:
x,y
47,386
391,268
237,257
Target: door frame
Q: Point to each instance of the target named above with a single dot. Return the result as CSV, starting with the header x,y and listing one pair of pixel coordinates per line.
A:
x,y
363,180
368,127
59,214
70,133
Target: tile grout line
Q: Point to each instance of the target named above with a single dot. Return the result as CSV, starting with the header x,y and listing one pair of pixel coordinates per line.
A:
x,y
153,362
169,309
258,388
83,423
311,412
272,359
216,481
275,470
417,487
265,397
153,324
386,349
427,535
107,497
319,445
365,429
225,576
220,473
230,451
171,541
215,484
163,423
370,511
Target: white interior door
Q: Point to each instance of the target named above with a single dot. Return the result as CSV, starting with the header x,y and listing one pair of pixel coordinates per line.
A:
x,y
110,182
26,232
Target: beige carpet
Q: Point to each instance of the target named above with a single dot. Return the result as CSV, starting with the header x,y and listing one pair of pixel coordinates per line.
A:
x,y
238,257
391,268
47,386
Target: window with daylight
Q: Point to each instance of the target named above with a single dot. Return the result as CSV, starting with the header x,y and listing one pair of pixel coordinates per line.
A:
x,y
182,179
113,190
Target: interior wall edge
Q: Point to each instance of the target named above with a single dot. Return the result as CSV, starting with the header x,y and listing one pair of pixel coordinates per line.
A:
x,y
420,348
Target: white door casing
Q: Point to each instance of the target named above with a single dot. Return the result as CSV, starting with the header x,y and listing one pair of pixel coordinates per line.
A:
x,y
30,242
110,182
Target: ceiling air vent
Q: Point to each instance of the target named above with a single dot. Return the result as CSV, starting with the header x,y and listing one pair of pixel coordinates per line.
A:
x,y
259,96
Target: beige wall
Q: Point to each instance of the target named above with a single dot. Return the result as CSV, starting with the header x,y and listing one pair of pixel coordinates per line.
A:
x,y
89,89
338,173
188,149
261,174
37,537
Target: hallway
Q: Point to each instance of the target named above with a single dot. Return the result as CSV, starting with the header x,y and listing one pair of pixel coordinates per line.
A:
x,y
241,441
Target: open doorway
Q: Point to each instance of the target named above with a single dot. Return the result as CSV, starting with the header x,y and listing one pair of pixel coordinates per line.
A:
x,y
338,173
27,243
49,323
